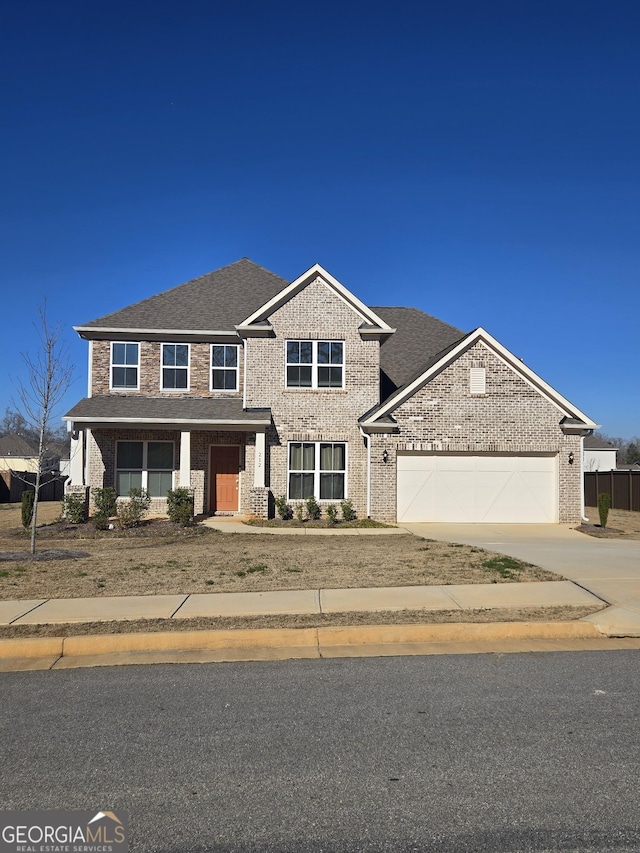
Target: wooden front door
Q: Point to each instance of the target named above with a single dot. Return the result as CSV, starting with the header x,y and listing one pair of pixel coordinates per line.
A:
x,y
225,468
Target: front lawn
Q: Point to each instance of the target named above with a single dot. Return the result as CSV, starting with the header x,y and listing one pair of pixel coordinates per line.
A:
x,y
161,558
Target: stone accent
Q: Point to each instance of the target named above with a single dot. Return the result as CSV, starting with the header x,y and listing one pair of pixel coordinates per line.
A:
x,y
511,417
259,499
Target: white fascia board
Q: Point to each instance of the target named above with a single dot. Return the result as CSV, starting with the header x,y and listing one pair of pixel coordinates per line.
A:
x,y
316,270
201,421
140,334
480,334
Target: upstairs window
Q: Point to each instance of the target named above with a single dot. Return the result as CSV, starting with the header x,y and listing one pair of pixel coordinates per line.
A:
x,y
317,469
315,364
175,367
224,367
125,366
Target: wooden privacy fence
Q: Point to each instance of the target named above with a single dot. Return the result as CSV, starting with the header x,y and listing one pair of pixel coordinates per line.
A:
x,y
623,486
12,487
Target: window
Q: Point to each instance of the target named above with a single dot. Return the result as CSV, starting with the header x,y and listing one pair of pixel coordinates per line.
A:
x,y
144,465
124,366
175,366
224,367
477,380
317,469
315,364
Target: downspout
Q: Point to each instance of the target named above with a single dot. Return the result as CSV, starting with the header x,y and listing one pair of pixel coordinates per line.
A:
x,y
582,437
367,441
244,374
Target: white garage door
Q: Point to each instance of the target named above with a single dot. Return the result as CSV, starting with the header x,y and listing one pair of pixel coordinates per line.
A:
x,y
498,489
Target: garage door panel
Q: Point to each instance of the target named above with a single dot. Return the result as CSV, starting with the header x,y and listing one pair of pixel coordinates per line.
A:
x,y
490,489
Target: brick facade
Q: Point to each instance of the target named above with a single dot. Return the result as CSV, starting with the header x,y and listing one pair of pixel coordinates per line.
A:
x,y
511,417
442,416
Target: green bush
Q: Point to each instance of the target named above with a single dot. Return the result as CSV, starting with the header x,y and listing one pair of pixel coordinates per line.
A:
x,y
105,501
604,505
27,508
180,506
100,521
332,513
74,508
348,512
283,509
313,509
299,511
133,510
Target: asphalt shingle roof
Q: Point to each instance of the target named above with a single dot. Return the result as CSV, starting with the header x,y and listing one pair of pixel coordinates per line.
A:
x,y
208,409
594,442
16,445
216,301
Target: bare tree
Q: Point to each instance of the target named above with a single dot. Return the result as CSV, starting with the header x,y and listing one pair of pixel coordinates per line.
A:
x,y
49,375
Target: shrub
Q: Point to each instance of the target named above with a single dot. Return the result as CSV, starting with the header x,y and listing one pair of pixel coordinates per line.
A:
x,y
348,512
180,506
604,505
74,508
27,508
313,510
299,511
283,508
105,501
332,513
132,511
100,521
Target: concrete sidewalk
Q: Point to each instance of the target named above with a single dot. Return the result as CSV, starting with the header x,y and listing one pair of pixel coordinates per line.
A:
x,y
294,602
235,524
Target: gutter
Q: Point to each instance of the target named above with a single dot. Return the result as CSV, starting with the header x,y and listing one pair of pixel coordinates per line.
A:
x,y
367,441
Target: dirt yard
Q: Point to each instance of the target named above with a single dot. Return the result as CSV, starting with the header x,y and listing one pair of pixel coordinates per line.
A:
x,y
621,524
161,558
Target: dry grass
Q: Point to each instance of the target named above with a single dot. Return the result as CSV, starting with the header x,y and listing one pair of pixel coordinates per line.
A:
x,y
162,559
621,524
389,617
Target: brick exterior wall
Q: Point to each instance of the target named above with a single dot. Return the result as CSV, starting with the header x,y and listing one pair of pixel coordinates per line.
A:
x,y
299,414
512,417
150,371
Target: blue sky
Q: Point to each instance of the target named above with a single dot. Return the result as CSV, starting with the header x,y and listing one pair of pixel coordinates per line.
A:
x,y
476,160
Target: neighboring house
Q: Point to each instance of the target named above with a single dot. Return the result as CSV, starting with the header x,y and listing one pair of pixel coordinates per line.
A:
x,y
16,454
598,454
243,386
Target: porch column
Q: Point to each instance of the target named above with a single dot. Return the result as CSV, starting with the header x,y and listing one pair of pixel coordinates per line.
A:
x,y
185,460
76,460
258,468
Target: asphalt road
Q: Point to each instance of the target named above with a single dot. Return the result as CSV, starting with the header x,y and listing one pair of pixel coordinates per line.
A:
x,y
521,752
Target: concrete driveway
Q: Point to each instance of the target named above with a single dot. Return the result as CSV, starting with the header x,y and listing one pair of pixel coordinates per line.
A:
x,y
609,568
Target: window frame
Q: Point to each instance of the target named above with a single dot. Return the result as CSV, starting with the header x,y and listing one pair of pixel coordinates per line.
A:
x,y
174,367
314,364
317,470
236,369
113,364
145,470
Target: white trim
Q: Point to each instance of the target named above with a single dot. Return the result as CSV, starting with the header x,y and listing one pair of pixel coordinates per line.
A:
x,y
245,350
139,421
314,365
317,470
164,366
560,402
212,368
313,272
583,514
90,371
185,459
113,387
117,330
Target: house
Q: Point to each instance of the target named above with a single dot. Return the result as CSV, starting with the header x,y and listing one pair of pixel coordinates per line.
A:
x,y
599,455
244,386
17,454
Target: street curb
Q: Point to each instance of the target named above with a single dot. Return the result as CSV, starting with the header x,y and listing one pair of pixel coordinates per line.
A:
x,y
312,639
